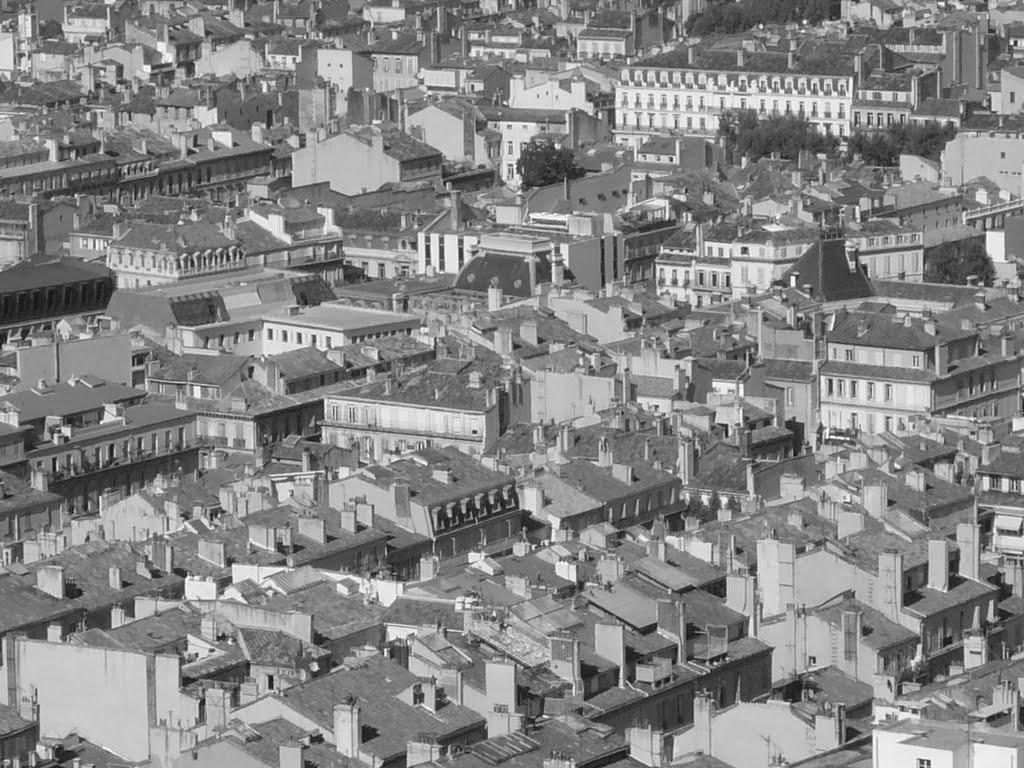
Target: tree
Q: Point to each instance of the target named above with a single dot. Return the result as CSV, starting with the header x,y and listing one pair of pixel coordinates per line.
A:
x,y
733,505
884,148
542,163
715,503
786,135
732,17
51,30
956,261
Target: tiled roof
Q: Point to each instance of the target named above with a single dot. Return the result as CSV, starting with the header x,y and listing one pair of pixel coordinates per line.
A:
x,y
376,684
177,238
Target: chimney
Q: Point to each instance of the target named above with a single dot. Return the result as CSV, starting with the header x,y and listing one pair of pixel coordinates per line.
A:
x,y
610,643
938,565
565,439
218,707
646,745
875,499
890,581
703,709
114,579
50,580
401,499
348,729
495,298
672,624
456,210
685,461
605,455
969,542
291,755
213,552
500,692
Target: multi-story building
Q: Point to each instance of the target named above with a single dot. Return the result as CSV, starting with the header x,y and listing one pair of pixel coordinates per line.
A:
x,y
121,454
546,242
331,325
712,265
144,254
448,402
36,296
889,98
920,205
688,90
442,494
518,127
373,156
889,250
886,372
912,743
396,62
78,403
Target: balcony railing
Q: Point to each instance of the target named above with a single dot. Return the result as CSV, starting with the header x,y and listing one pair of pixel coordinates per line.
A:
x,y
86,466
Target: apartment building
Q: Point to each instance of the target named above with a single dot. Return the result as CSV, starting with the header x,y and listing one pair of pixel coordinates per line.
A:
x,y
35,296
889,250
448,402
518,127
374,156
687,90
331,325
886,372
144,254
120,455
442,494
920,205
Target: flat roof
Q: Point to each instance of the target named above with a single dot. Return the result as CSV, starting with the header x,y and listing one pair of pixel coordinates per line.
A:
x,y
341,317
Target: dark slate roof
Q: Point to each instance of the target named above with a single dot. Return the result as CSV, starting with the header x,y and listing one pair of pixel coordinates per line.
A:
x,y
825,268
508,272
54,273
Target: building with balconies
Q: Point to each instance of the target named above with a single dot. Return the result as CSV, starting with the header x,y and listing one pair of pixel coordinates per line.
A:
x,y
144,254
889,250
442,494
121,454
448,402
884,373
687,90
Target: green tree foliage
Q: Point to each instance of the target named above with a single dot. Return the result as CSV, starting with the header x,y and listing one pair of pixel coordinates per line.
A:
x,y
715,504
732,17
787,135
542,163
885,148
955,262
50,30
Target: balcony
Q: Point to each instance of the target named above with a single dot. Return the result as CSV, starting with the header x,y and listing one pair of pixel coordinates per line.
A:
x,y
87,466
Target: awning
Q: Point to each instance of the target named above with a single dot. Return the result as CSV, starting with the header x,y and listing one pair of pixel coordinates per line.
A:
x,y
1009,523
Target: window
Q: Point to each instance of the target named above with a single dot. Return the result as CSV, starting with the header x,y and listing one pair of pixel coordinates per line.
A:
x,y
871,390
830,385
853,389
284,336
849,355
789,396
924,762
888,393
916,361
270,334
